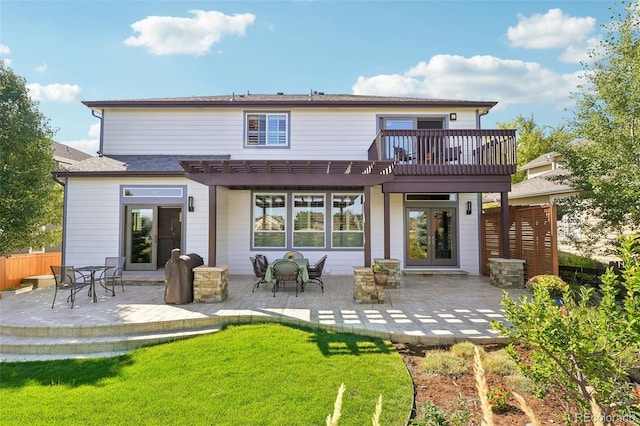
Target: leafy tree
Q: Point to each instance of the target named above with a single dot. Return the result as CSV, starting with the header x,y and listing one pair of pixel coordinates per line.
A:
x,y
605,165
582,348
29,198
534,141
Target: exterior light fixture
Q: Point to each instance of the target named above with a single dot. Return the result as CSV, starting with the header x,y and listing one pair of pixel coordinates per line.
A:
x,y
468,207
190,203
453,116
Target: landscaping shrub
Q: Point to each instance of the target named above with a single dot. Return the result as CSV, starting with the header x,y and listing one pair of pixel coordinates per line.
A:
x,y
500,363
444,363
585,350
465,350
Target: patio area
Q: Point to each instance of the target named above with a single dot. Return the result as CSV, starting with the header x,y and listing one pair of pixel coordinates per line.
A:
x,y
433,310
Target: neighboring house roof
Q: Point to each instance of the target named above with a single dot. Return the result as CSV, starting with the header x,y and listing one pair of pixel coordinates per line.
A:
x,y
61,151
536,186
544,159
315,99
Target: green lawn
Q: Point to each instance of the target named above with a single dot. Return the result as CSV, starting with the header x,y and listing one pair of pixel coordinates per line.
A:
x,y
261,374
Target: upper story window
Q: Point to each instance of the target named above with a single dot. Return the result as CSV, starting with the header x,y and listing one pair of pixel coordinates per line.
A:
x,y
267,129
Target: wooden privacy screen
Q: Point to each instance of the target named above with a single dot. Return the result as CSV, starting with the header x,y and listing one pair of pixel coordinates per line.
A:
x,y
532,238
14,268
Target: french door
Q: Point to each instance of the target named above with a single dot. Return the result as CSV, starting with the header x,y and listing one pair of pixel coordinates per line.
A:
x,y
151,232
431,236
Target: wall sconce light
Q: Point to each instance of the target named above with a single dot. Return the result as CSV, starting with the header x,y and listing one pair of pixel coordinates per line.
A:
x,y
190,203
453,116
468,207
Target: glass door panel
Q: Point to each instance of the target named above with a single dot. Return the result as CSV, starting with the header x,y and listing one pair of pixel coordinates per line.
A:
x,y
430,237
443,237
141,238
418,232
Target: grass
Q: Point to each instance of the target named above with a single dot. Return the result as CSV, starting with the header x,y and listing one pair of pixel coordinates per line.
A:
x,y
261,374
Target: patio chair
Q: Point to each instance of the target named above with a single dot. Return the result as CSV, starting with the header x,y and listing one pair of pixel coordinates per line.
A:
x,y
315,272
284,271
259,271
401,154
67,278
112,274
294,254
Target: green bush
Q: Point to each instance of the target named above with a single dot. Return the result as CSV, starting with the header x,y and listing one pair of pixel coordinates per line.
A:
x,y
499,363
522,384
587,350
552,283
465,350
444,363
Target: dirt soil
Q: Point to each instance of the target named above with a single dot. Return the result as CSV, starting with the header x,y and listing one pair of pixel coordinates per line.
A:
x,y
449,393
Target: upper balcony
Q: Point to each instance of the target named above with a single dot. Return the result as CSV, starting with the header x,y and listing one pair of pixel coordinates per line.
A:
x,y
447,152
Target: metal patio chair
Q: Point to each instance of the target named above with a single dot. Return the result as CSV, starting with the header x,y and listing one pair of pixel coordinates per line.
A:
x,y
67,278
112,273
315,272
259,271
285,271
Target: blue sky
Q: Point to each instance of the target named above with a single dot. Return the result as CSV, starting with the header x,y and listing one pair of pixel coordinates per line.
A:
x,y
524,54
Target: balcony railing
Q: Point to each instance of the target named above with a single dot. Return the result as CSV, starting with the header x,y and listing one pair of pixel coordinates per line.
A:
x,y
470,151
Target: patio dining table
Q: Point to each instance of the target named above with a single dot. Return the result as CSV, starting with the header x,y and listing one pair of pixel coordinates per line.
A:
x,y
303,264
92,274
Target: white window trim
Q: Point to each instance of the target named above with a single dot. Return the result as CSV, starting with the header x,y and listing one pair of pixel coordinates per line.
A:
x,y
266,145
293,223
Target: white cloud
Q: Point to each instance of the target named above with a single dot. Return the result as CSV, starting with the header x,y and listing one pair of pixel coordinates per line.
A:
x,y
507,81
42,68
552,30
54,92
94,130
167,35
89,146
4,49
555,30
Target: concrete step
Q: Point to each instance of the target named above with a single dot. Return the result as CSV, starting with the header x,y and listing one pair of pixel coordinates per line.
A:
x,y
28,347
431,272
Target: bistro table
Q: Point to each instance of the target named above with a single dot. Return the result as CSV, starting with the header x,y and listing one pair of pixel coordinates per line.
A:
x,y
92,273
303,264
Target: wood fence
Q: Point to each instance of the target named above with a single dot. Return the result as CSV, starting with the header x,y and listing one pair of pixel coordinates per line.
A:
x,y
532,238
14,268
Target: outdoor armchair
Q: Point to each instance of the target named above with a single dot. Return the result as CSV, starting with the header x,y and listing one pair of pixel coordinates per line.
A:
x,y
259,271
67,278
315,272
283,271
112,273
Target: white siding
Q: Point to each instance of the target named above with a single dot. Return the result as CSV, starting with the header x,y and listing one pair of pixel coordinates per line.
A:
x,y
93,219
327,133
469,234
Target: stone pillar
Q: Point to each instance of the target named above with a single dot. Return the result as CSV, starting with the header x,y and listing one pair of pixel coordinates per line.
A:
x,y
210,284
393,265
506,273
365,289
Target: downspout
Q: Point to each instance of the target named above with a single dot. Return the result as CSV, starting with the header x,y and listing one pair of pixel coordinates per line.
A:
x,y
64,213
99,117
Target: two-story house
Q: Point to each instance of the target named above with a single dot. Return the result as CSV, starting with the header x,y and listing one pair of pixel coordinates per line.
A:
x,y
353,177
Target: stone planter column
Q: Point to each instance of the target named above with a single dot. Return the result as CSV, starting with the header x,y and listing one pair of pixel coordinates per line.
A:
x,y
365,289
506,273
210,284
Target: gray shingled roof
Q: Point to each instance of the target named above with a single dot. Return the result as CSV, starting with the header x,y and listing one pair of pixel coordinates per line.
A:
x,y
64,151
539,185
315,99
138,163
547,158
